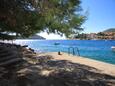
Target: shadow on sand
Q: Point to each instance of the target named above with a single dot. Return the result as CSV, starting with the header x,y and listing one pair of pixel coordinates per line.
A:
x,y
48,72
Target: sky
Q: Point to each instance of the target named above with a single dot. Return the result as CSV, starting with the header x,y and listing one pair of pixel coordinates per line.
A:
x,y
101,16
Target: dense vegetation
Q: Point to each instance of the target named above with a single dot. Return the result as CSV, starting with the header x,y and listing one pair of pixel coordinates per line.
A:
x,y
110,30
80,36
27,17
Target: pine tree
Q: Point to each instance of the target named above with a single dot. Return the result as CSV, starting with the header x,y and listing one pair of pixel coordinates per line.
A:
x,y
27,17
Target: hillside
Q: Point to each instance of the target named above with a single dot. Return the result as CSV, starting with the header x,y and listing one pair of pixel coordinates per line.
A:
x,y
110,30
33,37
36,37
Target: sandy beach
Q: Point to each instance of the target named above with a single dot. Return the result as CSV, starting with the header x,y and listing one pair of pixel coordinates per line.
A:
x,y
103,67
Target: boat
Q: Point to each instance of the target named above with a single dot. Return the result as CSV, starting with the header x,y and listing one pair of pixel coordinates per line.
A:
x,y
56,43
113,48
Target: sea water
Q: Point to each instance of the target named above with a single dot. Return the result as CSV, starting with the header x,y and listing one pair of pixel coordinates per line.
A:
x,y
94,49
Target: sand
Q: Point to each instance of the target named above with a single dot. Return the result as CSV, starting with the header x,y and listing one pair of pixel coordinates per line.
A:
x,y
103,67
55,70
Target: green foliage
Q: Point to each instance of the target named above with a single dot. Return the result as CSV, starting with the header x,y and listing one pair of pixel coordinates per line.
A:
x,y
110,30
5,36
27,17
100,34
81,36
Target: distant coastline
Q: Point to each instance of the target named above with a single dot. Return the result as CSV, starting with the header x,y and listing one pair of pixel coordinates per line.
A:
x,y
34,37
108,34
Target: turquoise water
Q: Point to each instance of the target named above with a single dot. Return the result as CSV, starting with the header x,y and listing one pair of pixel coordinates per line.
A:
x,y
94,49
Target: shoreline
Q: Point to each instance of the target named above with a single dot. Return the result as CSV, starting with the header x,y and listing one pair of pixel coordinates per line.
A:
x,y
103,67
27,67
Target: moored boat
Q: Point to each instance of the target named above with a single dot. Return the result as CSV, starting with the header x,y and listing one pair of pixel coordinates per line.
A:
x,y
113,48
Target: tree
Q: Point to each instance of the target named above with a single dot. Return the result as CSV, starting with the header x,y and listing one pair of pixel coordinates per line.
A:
x,y
101,34
27,17
80,36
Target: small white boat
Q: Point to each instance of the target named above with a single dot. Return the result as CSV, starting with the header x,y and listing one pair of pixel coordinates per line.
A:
x,y
113,48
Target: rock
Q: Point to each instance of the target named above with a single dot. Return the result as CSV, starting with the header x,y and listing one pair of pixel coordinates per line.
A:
x,y
9,54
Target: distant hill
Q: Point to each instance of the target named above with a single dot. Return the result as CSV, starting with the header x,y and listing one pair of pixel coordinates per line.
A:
x,y
110,30
36,37
33,37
